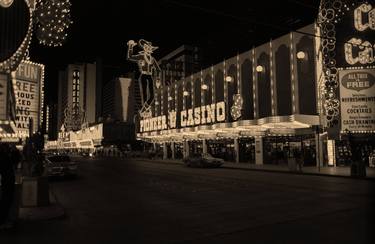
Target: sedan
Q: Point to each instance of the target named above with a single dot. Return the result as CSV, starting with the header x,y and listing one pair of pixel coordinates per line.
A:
x,y
60,165
204,160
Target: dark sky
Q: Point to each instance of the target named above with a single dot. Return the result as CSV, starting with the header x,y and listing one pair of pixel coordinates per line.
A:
x,y
219,28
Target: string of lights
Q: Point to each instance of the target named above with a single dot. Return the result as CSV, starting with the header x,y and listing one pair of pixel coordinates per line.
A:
x,y
53,20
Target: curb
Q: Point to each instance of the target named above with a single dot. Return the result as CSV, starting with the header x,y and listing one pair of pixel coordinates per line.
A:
x,y
52,211
264,170
300,173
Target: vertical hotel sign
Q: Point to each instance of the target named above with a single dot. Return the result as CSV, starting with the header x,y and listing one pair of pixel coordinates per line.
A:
x,y
357,91
28,88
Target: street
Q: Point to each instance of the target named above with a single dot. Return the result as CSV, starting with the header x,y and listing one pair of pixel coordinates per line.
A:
x,y
139,201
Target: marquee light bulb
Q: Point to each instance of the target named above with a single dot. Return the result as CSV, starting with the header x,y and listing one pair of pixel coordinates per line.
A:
x,y
259,68
301,55
228,79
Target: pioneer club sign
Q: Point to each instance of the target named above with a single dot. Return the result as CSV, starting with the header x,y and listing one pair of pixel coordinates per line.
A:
x,y
213,113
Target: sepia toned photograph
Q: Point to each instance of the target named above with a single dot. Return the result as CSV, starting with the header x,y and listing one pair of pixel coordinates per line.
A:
x,y
185,121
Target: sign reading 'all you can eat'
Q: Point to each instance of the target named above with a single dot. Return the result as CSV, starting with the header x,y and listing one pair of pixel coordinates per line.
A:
x,y
357,92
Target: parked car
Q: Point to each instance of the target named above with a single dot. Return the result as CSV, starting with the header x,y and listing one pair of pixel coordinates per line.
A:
x,y
204,160
60,165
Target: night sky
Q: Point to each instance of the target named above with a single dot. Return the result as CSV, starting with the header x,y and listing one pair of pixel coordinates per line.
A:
x,y
220,29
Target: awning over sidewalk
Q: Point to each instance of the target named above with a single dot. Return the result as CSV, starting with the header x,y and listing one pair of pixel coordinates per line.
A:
x,y
270,126
7,129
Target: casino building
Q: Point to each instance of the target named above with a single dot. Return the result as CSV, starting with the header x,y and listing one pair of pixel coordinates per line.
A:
x,y
263,100
261,105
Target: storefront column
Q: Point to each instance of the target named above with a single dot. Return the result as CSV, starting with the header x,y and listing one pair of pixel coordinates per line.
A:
x,y
172,149
258,150
319,150
236,150
204,146
186,149
165,150
154,146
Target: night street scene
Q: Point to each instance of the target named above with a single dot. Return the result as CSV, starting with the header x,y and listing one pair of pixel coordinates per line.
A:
x,y
178,121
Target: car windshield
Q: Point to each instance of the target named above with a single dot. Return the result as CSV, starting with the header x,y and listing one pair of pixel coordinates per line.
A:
x,y
59,159
196,155
207,155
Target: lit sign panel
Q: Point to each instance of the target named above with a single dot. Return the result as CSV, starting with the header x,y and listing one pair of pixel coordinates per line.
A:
x,y
357,90
27,87
354,30
3,96
191,117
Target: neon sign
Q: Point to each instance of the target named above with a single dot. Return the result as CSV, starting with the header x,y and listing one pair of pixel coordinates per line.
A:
x,y
6,3
191,117
356,49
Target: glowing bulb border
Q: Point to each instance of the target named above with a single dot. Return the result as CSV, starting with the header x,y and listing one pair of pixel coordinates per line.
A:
x,y
11,64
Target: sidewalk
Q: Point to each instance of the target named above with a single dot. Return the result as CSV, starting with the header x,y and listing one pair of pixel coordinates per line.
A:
x,y
52,211
340,171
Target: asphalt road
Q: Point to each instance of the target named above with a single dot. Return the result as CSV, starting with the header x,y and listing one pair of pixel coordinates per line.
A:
x,y
116,201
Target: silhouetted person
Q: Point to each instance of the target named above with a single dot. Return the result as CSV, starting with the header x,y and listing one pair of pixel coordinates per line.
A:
x,y
9,160
299,158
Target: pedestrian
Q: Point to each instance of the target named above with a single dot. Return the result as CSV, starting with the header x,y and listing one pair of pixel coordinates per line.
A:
x,y
299,158
7,172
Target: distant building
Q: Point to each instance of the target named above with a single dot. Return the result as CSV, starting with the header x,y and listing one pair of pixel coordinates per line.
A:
x,y
95,138
79,95
51,121
179,63
119,100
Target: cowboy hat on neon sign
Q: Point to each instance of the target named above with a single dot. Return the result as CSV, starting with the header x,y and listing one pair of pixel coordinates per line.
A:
x,y
6,3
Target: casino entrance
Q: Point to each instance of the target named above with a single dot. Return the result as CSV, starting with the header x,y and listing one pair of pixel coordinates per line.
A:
x,y
278,149
246,150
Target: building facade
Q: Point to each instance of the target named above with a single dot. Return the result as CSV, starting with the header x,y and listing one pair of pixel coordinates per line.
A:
x,y
28,84
51,121
93,139
311,90
77,95
119,100
347,71
260,100
179,63
14,43
7,108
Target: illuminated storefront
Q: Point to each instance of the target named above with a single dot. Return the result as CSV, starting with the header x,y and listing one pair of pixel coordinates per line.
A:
x,y
28,84
348,69
230,108
94,138
11,54
7,111
305,90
